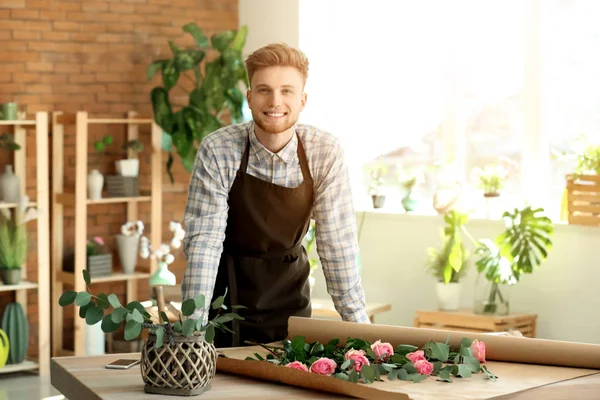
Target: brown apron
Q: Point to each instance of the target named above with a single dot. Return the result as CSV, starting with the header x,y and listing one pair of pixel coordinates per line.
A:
x,y
264,265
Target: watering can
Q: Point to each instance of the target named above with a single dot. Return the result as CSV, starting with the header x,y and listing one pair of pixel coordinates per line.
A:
x,y
4,348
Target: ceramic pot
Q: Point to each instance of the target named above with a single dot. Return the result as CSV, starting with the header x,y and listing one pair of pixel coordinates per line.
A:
x,y
378,201
95,182
408,203
448,296
128,250
129,167
163,276
11,276
10,185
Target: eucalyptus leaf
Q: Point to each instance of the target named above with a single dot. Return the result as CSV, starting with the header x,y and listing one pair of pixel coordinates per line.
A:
x,y
132,330
210,333
82,299
114,301
160,336
67,298
189,326
188,307
86,277
94,315
137,316
108,325
119,314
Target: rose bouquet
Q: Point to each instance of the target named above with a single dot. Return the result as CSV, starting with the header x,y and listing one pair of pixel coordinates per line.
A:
x,y
360,360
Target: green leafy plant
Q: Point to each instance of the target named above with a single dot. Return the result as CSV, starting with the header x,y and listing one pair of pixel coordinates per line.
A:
x,y
101,145
523,246
108,309
14,241
7,142
216,92
377,170
448,264
584,153
362,361
309,243
95,246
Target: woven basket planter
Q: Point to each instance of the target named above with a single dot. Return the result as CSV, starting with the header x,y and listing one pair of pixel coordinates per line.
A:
x,y
184,368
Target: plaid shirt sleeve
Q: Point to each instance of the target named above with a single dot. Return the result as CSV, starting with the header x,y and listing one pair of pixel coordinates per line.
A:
x,y
205,221
335,225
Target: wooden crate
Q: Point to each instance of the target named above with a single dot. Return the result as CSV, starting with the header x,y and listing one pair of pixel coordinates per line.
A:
x,y
467,321
583,197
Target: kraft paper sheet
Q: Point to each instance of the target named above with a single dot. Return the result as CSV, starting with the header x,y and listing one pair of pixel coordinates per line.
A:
x,y
519,363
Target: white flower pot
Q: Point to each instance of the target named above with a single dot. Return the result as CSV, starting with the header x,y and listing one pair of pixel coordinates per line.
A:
x,y
128,167
128,250
95,182
94,340
448,296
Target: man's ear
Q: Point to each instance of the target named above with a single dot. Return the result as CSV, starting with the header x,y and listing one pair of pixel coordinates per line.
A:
x,y
248,96
303,99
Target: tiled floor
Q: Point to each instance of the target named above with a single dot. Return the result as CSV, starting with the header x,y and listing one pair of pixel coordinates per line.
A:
x,y
27,386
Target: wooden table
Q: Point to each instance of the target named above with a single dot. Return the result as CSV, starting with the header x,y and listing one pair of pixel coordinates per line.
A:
x,y
466,321
85,378
323,308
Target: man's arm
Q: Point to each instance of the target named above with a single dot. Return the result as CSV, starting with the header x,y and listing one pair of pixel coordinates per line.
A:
x,y
337,247
205,221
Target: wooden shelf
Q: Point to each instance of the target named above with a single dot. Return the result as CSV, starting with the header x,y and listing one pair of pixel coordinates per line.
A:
x,y
24,366
21,286
69,277
68,199
18,122
14,205
76,200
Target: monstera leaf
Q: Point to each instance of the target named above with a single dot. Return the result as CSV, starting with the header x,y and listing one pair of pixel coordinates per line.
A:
x,y
523,246
212,97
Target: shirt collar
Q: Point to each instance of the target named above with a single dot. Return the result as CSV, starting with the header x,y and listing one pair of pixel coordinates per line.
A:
x,y
288,154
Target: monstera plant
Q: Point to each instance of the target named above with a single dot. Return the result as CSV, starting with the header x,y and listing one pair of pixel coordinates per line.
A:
x,y
523,246
217,90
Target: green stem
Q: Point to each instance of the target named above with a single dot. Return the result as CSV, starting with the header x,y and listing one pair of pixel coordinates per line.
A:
x,y
493,292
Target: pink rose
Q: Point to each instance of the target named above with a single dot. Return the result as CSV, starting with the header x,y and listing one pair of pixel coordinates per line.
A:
x,y
382,349
358,356
99,240
424,367
478,349
323,366
297,365
416,356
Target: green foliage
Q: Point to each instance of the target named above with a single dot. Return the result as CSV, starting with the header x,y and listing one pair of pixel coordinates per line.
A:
x,y
216,91
447,363
135,317
449,263
523,246
7,142
101,145
14,241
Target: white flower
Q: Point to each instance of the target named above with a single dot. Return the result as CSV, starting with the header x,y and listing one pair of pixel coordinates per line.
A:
x,y
165,249
140,227
175,243
169,258
172,226
144,253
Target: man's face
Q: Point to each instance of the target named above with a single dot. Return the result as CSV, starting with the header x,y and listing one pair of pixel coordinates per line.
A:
x,y
276,98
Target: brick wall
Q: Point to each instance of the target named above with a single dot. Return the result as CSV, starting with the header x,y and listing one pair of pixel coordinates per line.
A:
x,y
82,55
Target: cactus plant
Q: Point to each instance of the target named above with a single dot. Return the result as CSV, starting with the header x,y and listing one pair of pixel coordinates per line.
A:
x,y
16,326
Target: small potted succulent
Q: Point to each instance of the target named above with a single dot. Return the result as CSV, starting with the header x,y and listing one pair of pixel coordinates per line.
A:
x,y
377,171
99,260
14,240
130,167
178,358
128,243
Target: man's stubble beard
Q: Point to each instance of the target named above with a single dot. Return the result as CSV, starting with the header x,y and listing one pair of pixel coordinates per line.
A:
x,y
271,129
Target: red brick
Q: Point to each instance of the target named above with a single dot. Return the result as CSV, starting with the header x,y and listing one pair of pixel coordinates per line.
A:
x,y
82,78
12,46
13,67
111,38
94,6
13,87
83,37
4,14
67,6
40,4
7,77
56,36
54,78
25,14
95,28
121,8
26,77
55,47
67,26
39,88
37,25
13,3
118,27
67,67
48,15
19,56
26,35
109,98
94,68
132,18
103,77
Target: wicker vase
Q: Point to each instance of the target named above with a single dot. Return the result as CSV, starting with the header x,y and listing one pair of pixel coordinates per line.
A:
x,y
185,368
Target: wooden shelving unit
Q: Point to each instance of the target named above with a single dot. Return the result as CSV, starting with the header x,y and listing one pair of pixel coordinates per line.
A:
x,y
41,201
79,200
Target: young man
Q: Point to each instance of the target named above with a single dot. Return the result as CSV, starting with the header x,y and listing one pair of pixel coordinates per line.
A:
x,y
254,188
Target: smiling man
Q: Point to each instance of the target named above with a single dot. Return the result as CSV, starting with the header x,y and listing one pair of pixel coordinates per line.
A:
x,y
253,191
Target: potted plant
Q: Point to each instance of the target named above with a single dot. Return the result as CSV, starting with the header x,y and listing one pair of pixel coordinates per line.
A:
x,y
130,167
377,171
409,179
218,90
309,243
163,255
178,358
449,264
492,178
95,179
523,246
14,241
128,244
99,260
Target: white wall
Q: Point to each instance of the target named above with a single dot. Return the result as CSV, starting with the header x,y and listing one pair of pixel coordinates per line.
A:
x,y
564,292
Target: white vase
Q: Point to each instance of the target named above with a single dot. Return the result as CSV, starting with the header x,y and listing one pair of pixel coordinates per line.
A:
x,y
94,340
10,185
95,182
128,250
129,167
448,296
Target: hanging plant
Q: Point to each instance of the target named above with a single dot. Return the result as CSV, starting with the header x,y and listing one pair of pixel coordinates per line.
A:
x,y
217,91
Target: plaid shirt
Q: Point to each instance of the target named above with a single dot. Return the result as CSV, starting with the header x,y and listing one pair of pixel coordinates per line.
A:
x,y
217,162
